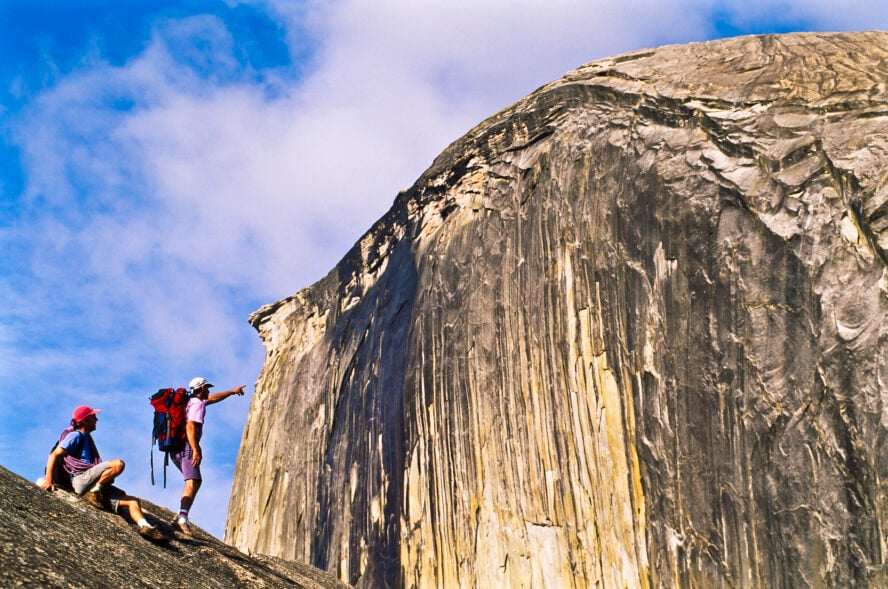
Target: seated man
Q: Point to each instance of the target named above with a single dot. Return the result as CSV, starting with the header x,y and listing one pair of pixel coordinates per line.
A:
x,y
90,477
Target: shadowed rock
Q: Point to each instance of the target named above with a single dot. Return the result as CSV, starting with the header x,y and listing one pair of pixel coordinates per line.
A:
x,y
59,540
630,331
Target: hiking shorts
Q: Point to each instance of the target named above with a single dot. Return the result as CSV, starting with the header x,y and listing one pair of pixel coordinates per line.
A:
x,y
85,481
182,460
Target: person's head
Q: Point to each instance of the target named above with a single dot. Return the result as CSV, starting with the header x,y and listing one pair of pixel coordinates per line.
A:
x,y
85,417
199,387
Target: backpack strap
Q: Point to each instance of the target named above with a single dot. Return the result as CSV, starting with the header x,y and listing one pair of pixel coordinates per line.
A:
x,y
151,452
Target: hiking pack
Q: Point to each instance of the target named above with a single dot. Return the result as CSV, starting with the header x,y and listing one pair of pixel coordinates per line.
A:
x,y
60,477
169,425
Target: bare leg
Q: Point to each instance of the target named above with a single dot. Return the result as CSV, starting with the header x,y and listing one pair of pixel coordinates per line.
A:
x,y
115,467
188,495
146,530
135,510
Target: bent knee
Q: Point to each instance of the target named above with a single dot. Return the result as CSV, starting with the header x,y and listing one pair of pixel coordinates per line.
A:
x,y
117,464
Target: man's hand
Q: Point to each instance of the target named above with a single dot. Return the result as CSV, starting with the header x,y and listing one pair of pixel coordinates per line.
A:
x,y
196,457
240,390
47,485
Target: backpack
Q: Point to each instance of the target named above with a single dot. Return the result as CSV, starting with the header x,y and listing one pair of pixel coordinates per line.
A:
x,y
60,477
169,425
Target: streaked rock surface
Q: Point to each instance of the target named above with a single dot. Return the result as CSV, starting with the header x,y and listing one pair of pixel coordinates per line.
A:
x,y
630,331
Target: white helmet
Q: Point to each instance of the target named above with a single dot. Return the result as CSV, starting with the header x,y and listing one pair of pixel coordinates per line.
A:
x,y
197,382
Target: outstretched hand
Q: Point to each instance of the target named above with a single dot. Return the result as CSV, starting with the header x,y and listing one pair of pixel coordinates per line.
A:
x,y
216,397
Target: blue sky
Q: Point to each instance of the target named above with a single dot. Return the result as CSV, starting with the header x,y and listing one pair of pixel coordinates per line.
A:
x,y
167,167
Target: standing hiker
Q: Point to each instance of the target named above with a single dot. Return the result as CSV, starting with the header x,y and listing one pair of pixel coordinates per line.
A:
x,y
89,475
189,458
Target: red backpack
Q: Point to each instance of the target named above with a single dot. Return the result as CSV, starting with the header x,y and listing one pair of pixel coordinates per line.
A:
x,y
169,425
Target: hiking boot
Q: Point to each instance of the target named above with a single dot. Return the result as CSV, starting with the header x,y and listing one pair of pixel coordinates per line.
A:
x,y
153,534
96,499
183,526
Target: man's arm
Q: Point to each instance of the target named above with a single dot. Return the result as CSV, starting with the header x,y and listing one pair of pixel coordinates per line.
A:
x,y
191,435
56,454
216,397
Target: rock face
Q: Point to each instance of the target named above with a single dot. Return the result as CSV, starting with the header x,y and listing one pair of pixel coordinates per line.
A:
x,y
630,331
59,540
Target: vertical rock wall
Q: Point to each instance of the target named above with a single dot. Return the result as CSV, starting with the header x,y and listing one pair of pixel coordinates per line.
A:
x,y
630,331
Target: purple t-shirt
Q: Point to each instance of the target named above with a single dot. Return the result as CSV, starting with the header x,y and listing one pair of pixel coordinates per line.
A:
x,y
195,410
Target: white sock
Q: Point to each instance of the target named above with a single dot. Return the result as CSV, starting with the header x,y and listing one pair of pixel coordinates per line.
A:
x,y
142,523
96,488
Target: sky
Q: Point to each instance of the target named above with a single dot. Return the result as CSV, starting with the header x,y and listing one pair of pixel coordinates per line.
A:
x,y
167,167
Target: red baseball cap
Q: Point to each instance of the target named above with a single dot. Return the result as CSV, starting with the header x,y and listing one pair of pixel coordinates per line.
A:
x,y
83,412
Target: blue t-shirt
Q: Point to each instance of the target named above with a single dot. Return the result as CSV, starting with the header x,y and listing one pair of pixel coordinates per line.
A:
x,y
80,446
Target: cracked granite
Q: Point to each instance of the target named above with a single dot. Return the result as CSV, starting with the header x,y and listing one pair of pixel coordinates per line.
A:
x,y
628,332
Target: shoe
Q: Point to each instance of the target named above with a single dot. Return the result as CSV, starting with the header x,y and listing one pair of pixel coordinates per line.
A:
x,y
183,526
153,534
96,499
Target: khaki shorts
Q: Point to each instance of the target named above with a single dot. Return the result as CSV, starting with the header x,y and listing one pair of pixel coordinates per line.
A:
x,y
85,481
